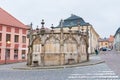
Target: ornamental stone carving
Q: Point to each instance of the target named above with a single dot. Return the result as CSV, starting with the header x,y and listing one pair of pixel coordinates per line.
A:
x,y
57,47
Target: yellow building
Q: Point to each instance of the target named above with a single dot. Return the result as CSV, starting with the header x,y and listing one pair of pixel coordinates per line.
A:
x,y
103,43
75,23
106,42
93,39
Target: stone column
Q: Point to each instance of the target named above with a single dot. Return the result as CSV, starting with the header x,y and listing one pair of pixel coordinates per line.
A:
x,y
29,57
78,57
42,54
62,56
87,53
87,46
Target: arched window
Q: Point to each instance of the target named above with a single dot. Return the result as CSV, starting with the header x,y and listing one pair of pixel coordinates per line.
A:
x,y
83,46
70,46
37,46
52,45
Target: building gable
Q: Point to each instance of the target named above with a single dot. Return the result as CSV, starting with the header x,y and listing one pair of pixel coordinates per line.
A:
x,y
7,19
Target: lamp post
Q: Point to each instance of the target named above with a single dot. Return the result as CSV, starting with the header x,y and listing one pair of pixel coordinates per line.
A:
x,y
6,51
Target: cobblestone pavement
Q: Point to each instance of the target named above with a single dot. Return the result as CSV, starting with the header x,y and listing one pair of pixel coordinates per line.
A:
x,y
93,60
112,59
96,72
91,72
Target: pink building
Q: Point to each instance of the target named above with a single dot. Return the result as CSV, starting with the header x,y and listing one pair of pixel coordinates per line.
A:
x,y
13,40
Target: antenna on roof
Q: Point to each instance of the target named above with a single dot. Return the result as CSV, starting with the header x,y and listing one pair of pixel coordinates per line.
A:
x,y
72,14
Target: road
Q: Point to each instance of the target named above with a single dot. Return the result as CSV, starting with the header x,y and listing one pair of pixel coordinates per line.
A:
x,y
101,71
112,59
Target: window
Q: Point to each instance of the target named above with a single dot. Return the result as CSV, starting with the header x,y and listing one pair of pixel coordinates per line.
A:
x,y
36,48
106,44
0,27
24,31
0,54
16,30
23,54
7,54
8,29
16,39
16,54
8,37
101,43
0,36
24,39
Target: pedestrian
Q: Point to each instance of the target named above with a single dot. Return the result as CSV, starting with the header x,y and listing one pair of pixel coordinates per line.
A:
x,y
96,51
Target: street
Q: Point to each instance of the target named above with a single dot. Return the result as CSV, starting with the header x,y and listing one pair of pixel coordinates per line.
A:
x,y
102,71
112,59
59,40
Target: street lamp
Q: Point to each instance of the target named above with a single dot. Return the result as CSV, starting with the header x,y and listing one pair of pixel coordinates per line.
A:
x,y
6,51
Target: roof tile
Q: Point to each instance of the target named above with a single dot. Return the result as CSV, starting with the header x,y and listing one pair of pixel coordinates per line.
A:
x,y
7,19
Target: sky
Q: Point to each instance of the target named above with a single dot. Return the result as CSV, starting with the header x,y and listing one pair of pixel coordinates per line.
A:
x,y
103,15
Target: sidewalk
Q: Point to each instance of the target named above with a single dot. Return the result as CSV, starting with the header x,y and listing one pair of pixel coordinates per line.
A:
x,y
94,59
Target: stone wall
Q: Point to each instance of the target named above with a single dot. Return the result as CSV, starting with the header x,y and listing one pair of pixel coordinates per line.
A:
x,y
58,48
52,59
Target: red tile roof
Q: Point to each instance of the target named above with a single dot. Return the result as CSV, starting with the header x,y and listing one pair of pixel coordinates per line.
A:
x,y
7,19
111,39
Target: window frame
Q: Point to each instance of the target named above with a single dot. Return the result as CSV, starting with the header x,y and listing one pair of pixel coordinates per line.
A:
x,y
8,37
16,53
16,38
23,39
0,36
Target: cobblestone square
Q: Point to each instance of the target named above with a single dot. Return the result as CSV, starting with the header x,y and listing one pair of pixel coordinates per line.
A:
x,y
100,71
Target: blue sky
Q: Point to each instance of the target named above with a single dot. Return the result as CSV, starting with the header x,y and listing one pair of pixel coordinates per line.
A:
x,y
104,15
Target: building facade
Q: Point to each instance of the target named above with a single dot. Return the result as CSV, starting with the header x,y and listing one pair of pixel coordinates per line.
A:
x,y
111,41
106,42
103,43
13,41
117,40
77,22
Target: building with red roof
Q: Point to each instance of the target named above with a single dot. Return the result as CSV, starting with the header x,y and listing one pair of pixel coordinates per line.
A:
x,y
106,42
111,41
13,40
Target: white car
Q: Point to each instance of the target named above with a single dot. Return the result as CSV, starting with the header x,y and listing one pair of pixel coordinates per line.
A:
x,y
108,49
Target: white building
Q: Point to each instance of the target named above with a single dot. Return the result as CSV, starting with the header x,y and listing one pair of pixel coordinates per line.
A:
x,y
117,40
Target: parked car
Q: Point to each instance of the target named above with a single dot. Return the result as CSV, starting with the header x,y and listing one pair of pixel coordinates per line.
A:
x,y
108,49
104,49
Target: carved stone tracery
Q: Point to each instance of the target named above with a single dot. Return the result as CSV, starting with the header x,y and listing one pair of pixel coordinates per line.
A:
x,y
58,48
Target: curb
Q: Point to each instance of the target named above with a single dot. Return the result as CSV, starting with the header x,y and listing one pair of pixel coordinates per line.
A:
x,y
60,67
